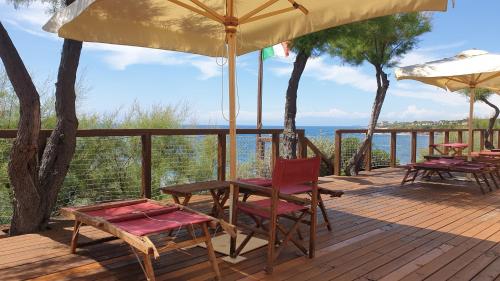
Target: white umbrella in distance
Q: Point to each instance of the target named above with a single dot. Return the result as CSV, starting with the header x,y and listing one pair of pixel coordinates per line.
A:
x,y
470,69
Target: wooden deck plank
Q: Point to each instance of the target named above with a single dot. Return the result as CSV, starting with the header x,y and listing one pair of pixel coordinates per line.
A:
x,y
381,231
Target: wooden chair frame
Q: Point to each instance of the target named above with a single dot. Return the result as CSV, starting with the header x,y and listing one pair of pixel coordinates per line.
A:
x,y
270,226
321,203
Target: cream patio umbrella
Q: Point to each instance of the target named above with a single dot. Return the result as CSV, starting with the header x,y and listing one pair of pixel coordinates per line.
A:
x,y
470,69
210,26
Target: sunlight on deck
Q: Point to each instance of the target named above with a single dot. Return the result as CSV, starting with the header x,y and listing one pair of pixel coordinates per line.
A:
x,y
381,231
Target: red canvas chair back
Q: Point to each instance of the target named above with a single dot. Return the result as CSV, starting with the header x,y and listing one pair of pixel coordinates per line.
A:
x,y
295,171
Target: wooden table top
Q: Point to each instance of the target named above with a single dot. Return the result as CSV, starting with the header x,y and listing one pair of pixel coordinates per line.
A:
x,y
195,187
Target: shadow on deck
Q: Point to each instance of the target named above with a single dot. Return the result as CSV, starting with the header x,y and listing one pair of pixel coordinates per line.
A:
x,y
381,232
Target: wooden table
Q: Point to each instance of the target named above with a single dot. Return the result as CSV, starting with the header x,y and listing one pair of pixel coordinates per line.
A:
x,y
218,189
456,148
488,153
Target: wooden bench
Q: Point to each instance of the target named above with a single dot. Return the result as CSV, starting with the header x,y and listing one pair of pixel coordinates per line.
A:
x,y
477,169
219,190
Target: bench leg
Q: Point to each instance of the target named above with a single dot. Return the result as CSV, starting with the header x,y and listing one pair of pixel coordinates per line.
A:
x,y
479,183
494,180
148,267
407,174
74,238
211,253
487,182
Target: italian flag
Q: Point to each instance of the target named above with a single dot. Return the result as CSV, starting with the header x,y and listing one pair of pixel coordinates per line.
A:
x,y
278,50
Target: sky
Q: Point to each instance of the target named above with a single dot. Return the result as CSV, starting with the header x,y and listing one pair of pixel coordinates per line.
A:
x,y
331,93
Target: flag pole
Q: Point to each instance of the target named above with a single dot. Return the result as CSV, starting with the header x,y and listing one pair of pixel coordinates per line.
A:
x,y
259,143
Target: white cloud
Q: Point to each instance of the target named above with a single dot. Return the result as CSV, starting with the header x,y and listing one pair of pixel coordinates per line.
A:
x,y
333,113
483,110
419,91
422,55
276,116
29,19
412,112
318,69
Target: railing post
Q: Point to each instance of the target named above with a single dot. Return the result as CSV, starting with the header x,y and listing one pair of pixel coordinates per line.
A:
x,y
146,166
481,140
460,139
302,151
471,148
446,140
394,138
368,157
221,157
498,139
413,147
431,142
338,153
275,149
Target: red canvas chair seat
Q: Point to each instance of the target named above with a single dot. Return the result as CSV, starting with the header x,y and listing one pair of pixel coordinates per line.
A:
x,y
296,189
264,206
293,189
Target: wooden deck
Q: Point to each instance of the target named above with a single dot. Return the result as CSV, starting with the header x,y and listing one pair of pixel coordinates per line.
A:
x,y
381,232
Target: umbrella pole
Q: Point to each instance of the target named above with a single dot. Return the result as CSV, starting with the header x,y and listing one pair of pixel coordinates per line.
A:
x,y
231,41
471,121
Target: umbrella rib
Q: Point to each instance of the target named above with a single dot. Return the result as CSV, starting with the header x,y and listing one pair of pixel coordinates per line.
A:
x,y
298,6
477,78
208,9
456,80
270,14
489,78
257,10
198,11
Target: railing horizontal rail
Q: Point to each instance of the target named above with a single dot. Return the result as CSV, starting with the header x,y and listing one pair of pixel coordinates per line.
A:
x,y
412,144
360,131
158,132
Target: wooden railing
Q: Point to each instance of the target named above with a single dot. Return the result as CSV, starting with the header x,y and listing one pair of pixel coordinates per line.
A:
x,y
146,144
337,158
332,162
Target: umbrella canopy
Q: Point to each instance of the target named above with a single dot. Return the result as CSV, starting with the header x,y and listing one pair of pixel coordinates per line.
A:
x,y
470,69
208,27
197,26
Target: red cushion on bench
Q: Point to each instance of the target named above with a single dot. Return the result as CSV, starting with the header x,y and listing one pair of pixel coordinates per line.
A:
x,y
159,223
108,213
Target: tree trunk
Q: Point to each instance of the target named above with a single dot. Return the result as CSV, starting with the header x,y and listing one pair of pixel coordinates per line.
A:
x,y
289,133
62,142
356,162
36,183
23,164
488,143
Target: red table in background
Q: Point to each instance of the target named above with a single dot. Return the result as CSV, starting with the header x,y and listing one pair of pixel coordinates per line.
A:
x,y
455,148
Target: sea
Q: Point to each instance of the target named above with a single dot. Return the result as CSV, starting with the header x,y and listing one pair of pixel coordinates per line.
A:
x,y
381,141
